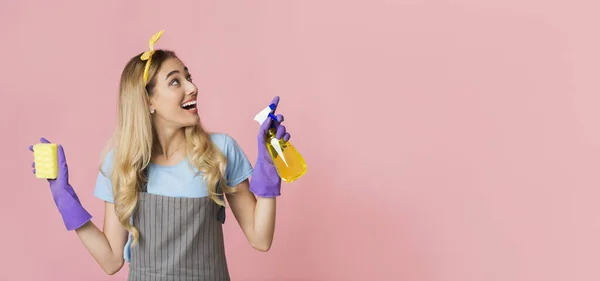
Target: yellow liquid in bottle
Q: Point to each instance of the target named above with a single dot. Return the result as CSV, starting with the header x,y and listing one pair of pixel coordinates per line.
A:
x,y
291,166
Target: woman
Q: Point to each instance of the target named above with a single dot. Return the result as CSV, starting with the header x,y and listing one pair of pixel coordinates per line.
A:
x,y
164,178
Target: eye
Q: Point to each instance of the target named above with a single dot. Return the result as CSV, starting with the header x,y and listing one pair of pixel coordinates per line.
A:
x,y
189,78
174,82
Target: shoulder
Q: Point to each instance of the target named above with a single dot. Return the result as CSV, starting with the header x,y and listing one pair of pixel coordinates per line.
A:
x,y
238,167
103,189
225,143
106,162
220,140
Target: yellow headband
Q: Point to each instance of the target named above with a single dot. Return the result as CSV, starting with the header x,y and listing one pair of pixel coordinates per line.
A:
x,y
147,55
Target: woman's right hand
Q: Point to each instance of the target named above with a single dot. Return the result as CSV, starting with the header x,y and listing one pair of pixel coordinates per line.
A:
x,y
67,202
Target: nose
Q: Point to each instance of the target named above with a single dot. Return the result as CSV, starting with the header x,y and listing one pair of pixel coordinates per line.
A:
x,y
191,88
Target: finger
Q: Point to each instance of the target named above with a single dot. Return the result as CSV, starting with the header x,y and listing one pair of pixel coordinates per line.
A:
x,y
279,118
265,125
280,132
62,160
286,137
43,140
34,171
31,147
275,102
33,165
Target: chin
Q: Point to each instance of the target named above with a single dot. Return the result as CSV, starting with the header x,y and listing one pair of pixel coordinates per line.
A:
x,y
191,121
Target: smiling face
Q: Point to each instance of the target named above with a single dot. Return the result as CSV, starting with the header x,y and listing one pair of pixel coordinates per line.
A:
x,y
173,96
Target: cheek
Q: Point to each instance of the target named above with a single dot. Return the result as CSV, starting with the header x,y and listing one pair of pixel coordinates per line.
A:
x,y
167,102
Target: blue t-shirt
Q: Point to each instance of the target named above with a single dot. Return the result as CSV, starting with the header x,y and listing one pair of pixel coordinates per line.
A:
x,y
182,179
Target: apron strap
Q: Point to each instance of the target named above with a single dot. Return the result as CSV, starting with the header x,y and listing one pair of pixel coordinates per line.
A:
x,y
221,212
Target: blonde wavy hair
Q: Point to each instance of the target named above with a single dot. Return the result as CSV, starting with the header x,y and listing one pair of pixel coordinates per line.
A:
x,y
133,143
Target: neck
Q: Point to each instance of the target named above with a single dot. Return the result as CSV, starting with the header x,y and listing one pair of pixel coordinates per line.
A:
x,y
171,142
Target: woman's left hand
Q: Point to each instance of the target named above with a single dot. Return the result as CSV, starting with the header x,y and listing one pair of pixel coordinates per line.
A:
x,y
265,181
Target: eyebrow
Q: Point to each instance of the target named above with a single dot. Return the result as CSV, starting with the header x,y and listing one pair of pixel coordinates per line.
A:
x,y
176,71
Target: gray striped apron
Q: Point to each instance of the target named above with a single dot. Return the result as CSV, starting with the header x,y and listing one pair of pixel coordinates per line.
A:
x,y
181,239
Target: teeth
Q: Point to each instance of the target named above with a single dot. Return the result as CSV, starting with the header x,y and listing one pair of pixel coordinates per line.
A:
x,y
188,103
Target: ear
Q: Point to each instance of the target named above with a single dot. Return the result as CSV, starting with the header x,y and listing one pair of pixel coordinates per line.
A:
x,y
151,105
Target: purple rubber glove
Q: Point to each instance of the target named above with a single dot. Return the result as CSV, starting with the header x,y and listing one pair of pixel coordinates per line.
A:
x,y
67,202
265,182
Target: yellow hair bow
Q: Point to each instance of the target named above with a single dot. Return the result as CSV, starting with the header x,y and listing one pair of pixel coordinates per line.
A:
x,y
147,55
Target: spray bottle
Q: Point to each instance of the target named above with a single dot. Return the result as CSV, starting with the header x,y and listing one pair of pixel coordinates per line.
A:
x,y
289,163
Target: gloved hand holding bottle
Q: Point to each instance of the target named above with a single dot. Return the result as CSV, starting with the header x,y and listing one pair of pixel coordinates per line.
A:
x,y
277,158
265,182
67,202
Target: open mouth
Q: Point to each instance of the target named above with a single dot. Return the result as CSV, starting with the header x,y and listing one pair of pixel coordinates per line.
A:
x,y
190,105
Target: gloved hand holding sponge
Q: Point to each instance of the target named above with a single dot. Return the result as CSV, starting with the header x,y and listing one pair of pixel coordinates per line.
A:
x,y
50,163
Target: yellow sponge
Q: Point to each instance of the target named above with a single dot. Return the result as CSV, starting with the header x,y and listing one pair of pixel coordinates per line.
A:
x,y
45,156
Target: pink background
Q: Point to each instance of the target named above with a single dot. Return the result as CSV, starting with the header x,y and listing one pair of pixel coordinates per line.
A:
x,y
446,140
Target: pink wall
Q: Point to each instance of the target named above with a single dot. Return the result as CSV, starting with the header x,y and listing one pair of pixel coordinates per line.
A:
x,y
446,140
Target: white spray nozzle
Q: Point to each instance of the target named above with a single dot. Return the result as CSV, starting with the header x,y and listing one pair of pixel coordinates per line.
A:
x,y
264,114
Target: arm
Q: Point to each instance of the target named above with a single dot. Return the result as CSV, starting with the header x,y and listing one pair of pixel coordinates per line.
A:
x,y
256,216
105,246
253,205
